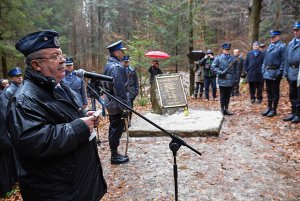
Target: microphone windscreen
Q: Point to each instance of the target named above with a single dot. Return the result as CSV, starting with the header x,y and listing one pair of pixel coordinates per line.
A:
x,y
79,73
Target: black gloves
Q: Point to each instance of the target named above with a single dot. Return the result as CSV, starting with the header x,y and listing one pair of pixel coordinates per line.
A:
x,y
125,114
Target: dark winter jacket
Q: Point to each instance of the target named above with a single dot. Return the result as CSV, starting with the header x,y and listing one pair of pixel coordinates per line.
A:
x,y
207,62
153,72
58,161
253,63
119,88
133,82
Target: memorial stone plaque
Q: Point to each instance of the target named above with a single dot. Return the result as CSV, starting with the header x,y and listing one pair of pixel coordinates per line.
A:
x,y
171,91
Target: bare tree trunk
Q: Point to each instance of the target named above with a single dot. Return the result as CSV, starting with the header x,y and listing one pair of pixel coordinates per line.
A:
x,y
296,9
277,14
254,19
191,47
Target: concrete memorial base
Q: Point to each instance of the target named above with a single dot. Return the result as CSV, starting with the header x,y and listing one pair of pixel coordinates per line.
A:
x,y
196,124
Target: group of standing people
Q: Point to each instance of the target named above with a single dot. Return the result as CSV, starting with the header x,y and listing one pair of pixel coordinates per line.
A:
x,y
261,66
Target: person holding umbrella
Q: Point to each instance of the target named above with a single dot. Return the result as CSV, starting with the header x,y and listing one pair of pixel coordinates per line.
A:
x,y
153,70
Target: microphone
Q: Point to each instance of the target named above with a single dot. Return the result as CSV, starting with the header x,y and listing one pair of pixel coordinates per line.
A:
x,y
84,74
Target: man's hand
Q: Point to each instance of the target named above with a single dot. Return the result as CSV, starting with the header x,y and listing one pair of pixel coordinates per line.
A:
x,y
91,120
125,114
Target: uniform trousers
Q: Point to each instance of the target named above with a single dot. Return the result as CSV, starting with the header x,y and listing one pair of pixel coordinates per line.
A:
x,y
294,94
225,93
273,92
116,127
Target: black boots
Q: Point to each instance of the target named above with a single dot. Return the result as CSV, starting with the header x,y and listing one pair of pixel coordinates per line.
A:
x,y
296,118
272,113
225,111
118,158
266,112
290,117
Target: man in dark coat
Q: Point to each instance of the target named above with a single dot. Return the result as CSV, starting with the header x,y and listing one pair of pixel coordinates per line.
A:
x,y
225,66
50,132
8,163
8,170
253,63
291,72
272,70
154,70
119,89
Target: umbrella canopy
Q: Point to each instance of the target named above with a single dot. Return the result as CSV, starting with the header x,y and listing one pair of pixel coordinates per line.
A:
x,y
157,55
196,55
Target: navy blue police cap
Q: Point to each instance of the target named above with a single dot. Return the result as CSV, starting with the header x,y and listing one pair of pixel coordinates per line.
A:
x,y
296,25
69,61
37,41
226,46
126,58
255,43
15,71
116,46
274,33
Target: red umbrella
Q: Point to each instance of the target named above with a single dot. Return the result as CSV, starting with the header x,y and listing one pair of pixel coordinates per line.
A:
x,y
157,55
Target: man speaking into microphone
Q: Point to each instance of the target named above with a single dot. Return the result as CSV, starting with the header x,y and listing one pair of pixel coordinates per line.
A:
x,y
119,89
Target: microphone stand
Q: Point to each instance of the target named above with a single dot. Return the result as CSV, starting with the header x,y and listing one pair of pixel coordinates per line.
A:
x,y
174,145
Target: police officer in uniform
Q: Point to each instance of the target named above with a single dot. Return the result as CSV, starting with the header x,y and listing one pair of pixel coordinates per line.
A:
x,y
291,72
133,82
16,79
74,82
272,70
119,89
225,66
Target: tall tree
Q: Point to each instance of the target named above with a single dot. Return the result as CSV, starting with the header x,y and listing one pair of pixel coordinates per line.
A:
x,y
254,19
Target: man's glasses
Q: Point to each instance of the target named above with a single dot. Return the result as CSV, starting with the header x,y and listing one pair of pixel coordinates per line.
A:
x,y
55,57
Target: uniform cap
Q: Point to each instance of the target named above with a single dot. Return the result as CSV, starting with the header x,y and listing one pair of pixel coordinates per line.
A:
x,y
116,46
14,72
226,46
69,61
274,33
126,58
37,41
296,25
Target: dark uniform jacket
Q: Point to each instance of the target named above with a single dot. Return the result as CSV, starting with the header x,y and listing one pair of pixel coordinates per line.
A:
x,y
273,65
58,160
253,64
119,87
133,82
292,61
226,69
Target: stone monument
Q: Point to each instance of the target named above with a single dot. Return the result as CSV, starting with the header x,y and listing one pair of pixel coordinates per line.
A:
x,y
169,94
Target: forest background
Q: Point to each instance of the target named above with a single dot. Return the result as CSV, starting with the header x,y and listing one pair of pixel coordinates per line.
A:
x,y
177,27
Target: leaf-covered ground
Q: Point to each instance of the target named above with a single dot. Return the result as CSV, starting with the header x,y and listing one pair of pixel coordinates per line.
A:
x,y
254,158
